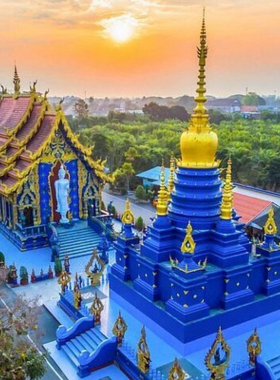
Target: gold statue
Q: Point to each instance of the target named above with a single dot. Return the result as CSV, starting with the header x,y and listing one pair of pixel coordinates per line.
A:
x,y
188,245
128,217
270,227
96,309
96,273
213,360
254,347
176,372
119,329
77,296
143,353
63,280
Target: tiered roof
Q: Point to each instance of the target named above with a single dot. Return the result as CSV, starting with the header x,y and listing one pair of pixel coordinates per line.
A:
x,y
27,126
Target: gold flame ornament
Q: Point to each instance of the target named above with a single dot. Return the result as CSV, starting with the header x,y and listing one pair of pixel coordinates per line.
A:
x,y
214,361
96,309
128,217
119,329
143,353
63,280
199,143
96,273
176,372
270,227
254,347
188,245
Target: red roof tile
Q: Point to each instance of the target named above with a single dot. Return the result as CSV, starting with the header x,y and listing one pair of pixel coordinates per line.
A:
x,y
249,207
42,134
12,111
27,128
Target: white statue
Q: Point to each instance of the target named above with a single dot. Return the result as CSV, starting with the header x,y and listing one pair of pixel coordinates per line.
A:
x,y
61,192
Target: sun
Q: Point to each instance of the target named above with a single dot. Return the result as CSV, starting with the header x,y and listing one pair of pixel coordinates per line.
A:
x,y
121,29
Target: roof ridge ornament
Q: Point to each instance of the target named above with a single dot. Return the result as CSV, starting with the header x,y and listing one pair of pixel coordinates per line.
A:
x,y
16,82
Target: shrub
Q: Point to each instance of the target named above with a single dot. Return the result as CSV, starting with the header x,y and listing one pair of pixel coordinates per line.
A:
x,y
140,192
57,266
139,225
23,273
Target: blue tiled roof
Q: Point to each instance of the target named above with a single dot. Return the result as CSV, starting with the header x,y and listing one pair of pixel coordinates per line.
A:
x,y
153,175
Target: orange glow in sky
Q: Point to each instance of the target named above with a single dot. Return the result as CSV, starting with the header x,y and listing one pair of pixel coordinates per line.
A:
x,y
131,48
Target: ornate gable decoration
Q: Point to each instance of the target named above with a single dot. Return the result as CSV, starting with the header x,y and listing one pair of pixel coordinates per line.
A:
x,y
188,245
270,227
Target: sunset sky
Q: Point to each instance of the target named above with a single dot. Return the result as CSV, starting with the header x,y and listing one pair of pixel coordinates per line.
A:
x,y
140,47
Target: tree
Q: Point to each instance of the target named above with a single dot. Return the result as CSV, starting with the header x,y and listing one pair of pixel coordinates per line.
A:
x,y
131,154
81,109
179,112
140,192
252,99
19,358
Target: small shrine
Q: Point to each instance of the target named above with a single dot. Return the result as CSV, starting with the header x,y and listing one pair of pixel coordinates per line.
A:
x,y
46,174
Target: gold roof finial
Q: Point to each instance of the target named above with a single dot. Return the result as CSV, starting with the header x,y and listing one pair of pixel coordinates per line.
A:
x,y
16,82
270,227
162,194
128,217
227,200
199,143
188,245
171,176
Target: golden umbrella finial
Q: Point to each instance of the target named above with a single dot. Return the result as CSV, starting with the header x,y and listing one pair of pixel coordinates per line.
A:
x,y
227,200
162,194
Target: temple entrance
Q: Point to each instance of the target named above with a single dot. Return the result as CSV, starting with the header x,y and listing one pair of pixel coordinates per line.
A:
x,y
28,216
55,217
91,205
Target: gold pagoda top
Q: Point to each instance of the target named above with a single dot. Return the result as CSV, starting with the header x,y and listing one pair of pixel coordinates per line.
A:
x,y
199,143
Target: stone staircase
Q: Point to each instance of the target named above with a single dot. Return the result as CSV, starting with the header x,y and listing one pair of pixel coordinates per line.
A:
x,y
88,341
274,364
77,242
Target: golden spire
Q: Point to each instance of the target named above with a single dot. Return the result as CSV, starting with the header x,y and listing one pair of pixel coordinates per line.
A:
x,y
270,227
171,176
188,245
162,194
128,217
16,82
226,208
199,143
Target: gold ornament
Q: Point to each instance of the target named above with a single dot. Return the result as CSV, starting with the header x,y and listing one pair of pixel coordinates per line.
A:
x,y
213,360
176,372
254,347
128,217
188,245
143,353
119,329
96,309
162,194
227,200
63,280
96,273
270,227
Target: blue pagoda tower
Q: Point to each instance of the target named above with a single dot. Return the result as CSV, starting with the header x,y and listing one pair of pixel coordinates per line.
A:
x,y
194,271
